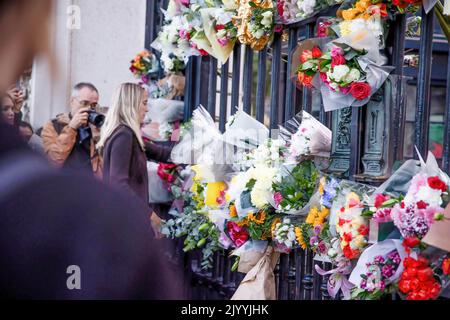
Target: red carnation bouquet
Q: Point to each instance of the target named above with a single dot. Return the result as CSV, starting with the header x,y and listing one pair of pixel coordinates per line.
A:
x,y
418,280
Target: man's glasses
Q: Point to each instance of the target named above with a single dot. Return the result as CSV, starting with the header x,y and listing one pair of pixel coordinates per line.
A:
x,y
86,104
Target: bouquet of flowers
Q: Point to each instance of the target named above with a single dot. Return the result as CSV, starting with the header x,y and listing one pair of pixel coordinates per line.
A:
x,y
143,65
255,22
417,281
348,71
365,14
378,270
295,187
324,27
309,138
284,235
220,31
421,206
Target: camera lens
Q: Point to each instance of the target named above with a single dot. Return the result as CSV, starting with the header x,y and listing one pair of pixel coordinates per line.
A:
x,y
96,119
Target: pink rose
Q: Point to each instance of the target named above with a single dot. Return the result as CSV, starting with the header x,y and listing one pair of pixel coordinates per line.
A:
x,y
337,61
337,51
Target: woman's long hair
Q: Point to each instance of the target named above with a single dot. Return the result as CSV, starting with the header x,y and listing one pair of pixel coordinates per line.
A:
x,y
124,110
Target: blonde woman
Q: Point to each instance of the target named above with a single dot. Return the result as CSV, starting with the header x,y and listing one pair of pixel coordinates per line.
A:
x,y
122,146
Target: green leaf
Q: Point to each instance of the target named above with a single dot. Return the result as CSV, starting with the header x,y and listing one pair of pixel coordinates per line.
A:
x,y
252,4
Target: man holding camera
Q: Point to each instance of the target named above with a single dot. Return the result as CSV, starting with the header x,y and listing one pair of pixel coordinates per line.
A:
x,y
69,140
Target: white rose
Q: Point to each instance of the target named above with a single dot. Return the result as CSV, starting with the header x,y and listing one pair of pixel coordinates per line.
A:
x,y
353,75
259,34
339,72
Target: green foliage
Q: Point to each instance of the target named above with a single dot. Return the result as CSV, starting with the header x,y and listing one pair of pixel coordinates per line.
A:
x,y
298,186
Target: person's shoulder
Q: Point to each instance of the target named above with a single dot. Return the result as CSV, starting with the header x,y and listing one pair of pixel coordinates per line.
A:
x,y
123,131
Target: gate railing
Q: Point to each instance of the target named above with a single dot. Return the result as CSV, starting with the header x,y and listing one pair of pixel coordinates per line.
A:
x,y
367,141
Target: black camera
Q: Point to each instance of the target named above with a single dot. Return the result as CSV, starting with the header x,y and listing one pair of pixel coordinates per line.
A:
x,y
96,119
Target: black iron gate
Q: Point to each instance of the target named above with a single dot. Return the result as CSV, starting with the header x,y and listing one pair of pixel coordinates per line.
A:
x,y
367,142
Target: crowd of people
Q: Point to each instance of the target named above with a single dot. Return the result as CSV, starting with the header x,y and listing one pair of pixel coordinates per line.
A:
x,y
76,191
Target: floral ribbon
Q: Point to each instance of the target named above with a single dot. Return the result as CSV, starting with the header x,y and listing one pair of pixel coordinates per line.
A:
x,y
337,281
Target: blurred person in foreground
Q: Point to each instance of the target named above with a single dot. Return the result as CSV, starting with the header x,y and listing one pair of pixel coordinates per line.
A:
x,y
69,139
53,220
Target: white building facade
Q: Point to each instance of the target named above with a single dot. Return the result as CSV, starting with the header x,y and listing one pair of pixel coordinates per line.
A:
x,y
94,41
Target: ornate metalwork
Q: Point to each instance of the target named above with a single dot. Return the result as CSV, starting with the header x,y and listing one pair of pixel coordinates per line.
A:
x,y
341,145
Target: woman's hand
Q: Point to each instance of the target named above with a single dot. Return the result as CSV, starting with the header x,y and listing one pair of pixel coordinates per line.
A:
x,y
156,225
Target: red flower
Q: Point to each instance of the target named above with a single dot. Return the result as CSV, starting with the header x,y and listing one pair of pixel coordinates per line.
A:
x,y
337,61
316,52
202,52
305,56
348,237
363,230
349,253
360,90
238,235
219,27
380,199
422,204
305,79
402,205
280,7
446,266
436,183
411,242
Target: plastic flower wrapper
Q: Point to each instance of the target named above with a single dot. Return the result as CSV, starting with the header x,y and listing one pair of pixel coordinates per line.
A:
x,y
424,202
270,153
220,31
255,23
347,71
294,188
244,131
378,270
169,87
203,144
160,117
306,136
324,27
159,189
363,14
297,10
249,254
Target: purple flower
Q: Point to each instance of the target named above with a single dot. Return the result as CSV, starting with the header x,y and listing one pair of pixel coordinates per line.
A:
x,y
317,230
313,241
322,247
378,260
363,284
387,271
